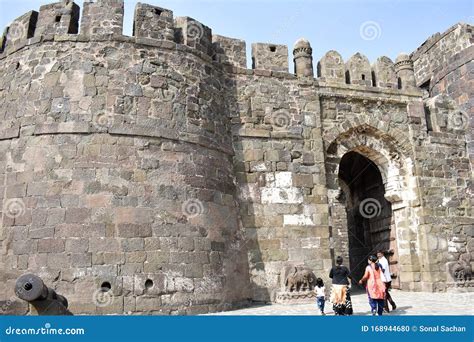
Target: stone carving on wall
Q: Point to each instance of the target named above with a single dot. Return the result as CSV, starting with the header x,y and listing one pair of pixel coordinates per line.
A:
x,y
460,270
445,115
299,280
297,285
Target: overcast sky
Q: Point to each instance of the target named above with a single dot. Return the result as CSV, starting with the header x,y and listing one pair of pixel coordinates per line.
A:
x,y
372,27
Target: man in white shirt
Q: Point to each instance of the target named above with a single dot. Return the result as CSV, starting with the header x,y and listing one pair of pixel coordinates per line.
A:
x,y
388,280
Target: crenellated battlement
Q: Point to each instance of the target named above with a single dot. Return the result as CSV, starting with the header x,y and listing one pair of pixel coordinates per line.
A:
x,y
158,166
102,20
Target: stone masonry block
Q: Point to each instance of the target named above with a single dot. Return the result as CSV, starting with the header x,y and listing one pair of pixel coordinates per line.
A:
x,y
153,22
229,50
194,34
51,245
270,57
102,18
20,30
58,18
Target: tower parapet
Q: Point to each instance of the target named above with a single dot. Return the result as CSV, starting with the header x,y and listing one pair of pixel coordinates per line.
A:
x,y
193,34
229,50
19,31
102,18
358,70
58,19
384,73
156,27
331,68
153,22
270,57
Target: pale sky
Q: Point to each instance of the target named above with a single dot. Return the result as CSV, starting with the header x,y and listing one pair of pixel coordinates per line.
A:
x,y
372,27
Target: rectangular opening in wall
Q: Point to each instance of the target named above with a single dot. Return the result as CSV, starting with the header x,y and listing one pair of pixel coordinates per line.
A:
x,y
71,18
32,25
2,44
272,48
374,81
425,86
429,125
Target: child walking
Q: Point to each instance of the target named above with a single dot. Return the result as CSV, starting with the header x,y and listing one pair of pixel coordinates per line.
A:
x,y
320,295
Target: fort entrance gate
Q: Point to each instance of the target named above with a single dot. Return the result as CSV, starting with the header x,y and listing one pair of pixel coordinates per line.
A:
x,y
369,215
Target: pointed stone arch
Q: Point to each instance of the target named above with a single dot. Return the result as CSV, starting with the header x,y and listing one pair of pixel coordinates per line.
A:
x,y
381,129
389,149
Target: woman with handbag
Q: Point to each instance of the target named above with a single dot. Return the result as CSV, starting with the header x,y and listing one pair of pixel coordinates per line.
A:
x,y
340,292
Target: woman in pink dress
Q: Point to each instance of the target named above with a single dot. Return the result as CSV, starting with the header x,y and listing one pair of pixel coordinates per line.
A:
x,y
375,285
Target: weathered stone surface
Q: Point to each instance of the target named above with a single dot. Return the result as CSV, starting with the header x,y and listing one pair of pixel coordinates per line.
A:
x,y
358,69
59,18
229,50
153,22
331,67
159,166
270,57
102,17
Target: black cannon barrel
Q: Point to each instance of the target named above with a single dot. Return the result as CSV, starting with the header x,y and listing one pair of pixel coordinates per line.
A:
x,y
45,300
30,287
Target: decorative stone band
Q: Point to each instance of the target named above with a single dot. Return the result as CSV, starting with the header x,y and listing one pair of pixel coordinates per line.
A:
x,y
364,98
302,52
119,129
404,65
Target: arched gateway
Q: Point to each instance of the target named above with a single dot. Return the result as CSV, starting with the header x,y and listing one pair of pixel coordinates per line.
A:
x,y
369,214
372,204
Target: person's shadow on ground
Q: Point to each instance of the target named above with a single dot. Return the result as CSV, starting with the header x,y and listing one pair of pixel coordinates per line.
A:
x,y
400,311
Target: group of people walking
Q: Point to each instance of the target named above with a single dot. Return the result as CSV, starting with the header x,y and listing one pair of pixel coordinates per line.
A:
x,y
376,279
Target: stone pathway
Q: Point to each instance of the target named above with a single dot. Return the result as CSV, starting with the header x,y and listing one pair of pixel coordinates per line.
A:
x,y
408,303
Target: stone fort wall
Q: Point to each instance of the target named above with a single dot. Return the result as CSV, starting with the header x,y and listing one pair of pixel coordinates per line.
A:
x,y
160,166
444,67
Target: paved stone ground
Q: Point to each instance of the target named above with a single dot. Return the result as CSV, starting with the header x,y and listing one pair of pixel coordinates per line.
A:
x,y
408,303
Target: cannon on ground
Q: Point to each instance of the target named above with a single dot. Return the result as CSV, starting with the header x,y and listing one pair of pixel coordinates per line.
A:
x,y
45,300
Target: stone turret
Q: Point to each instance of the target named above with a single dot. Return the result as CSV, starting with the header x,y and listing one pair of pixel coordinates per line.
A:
x,y
302,56
405,72
168,242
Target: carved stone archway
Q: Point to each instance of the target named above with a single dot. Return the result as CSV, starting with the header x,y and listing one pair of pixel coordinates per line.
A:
x,y
394,160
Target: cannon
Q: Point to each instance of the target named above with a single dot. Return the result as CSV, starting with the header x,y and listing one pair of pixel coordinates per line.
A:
x,y
45,300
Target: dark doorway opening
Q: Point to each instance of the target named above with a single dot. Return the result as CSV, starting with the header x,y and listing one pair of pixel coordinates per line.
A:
x,y
369,214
